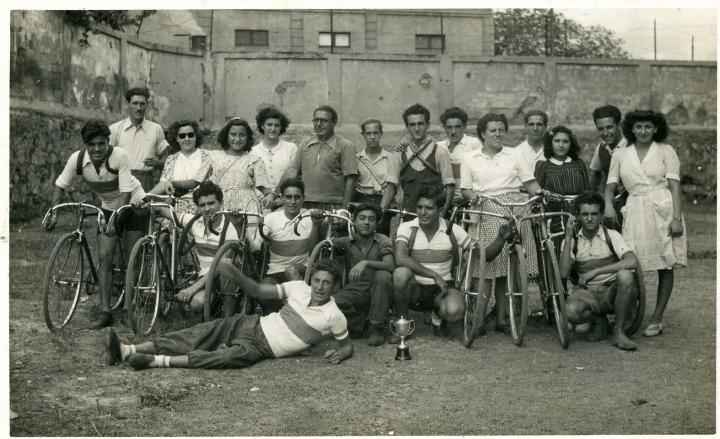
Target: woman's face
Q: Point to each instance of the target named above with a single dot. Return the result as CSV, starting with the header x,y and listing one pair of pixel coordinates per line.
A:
x,y
561,146
186,138
494,134
272,128
237,137
644,131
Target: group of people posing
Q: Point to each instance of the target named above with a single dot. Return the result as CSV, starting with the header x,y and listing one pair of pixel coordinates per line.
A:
x,y
384,278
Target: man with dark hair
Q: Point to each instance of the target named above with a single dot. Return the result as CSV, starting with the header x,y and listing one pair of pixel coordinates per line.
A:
x,y
422,161
369,264
278,154
309,314
531,149
454,121
144,140
326,162
602,262
607,121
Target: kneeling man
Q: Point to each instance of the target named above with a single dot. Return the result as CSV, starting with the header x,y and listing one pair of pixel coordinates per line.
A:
x,y
605,284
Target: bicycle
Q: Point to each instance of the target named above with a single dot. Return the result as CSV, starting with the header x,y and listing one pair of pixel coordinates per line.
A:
x,y
155,272
325,248
65,276
398,215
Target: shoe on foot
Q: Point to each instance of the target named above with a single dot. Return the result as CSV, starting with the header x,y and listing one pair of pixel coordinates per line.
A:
x,y
582,328
103,320
140,361
441,330
599,329
112,347
377,337
653,330
621,341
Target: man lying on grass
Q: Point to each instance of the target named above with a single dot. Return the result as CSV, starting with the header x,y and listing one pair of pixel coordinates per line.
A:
x,y
309,314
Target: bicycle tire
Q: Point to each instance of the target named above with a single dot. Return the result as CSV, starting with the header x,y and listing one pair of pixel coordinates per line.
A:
x,y
117,286
556,292
480,301
640,303
322,250
66,251
142,286
517,293
166,292
215,286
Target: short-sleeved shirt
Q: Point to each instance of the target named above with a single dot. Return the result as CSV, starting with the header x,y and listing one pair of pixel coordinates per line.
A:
x,y
374,175
179,166
494,175
298,326
529,155
277,159
595,163
442,159
465,145
324,166
380,247
207,243
142,142
286,248
597,248
108,186
435,255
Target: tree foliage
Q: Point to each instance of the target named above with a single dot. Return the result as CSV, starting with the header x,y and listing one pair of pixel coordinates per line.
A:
x,y
115,20
543,32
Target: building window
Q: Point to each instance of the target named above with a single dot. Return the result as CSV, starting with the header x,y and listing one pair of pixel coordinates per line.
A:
x,y
246,37
198,42
334,39
431,42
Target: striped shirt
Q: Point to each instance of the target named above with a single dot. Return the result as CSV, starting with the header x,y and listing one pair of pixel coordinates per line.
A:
x,y
567,178
207,243
286,248
108,186
597,248
435,255
298,326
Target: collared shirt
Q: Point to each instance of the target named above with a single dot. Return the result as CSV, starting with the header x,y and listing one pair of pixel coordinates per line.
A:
x,y
442,159
277,159
436,254
529,155
286,248
597,248
179,166
297,326
465,145
494,175
324,166
108,186
380,247
144,142
375,174
206,242
595,163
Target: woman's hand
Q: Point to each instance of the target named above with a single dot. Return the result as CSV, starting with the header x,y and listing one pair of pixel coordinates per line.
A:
x,y
676,228
268,200
610,216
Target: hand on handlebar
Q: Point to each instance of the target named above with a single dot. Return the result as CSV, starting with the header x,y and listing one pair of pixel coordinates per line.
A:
x,y
570,227
317,216
507,231
50,221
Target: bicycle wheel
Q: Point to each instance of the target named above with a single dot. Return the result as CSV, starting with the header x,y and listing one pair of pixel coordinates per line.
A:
x,y
639,314
517,293
556,294
142,286
117,287
219,290
321,251
64,280
164,270
475,303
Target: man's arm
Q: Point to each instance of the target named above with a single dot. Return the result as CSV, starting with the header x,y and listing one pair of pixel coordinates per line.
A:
x,y
343,351
248,285
58,193
449,195
595,178
387,263
566,261
388,195
349,189
628,262
186,294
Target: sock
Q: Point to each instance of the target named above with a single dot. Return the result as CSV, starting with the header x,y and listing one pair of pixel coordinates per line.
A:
x,y
126,350
436,320
161,361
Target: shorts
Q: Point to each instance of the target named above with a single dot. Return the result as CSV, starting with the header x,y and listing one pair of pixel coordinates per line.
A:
x,y
422,297
130,220
600,298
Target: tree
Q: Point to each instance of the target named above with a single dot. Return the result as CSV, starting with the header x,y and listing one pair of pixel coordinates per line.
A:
x,y
542,32
115,20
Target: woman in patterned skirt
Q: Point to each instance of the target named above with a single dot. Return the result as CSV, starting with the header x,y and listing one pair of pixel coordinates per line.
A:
x,y
497,172
653,223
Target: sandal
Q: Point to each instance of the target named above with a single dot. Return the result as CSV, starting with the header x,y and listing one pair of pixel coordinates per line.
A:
x,y
653,330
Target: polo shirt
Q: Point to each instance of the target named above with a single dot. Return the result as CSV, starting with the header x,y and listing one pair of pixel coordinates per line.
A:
x,y
206,243
108,186
286,248
528,154
489,175
374,175
435,255
381,246
324,166
277,159
597,248
298,326
465,145
145,141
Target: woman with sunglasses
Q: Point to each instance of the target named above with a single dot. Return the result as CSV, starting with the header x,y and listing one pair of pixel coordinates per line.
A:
x,y
187,168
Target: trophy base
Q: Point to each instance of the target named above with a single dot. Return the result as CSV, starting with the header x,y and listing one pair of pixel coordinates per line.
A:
x,y
403,354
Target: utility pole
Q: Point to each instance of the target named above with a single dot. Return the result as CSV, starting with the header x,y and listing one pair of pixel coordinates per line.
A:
x,y
332,33
655,39
692,48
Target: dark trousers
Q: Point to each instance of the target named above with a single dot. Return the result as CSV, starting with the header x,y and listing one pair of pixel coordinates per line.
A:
x,y
361,302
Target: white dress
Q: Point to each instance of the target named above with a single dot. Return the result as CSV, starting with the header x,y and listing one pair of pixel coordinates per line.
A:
x,y
649,208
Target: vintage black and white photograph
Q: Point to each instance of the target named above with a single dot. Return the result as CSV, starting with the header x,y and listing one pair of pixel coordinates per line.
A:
x,y
404,220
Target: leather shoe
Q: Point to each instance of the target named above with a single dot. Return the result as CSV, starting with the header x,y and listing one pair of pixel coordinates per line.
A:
x,y
377,338
140,361
103,320
112,347
441,330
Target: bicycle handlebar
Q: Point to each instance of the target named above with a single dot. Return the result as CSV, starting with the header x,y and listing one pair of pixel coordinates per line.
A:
x,y
115,215
80,205
339,214
231,213
401,212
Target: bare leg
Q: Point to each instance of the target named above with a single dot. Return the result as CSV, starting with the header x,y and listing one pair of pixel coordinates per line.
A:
x,y
624,299
666,279
500,299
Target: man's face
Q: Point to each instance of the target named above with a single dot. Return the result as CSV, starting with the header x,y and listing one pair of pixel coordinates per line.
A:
x,y
323,124
589,216
417,127
208,205
455,129
535,128
292,201
428,212
372,135
322,285
97,148
272,127
137,107
365,223
609,131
